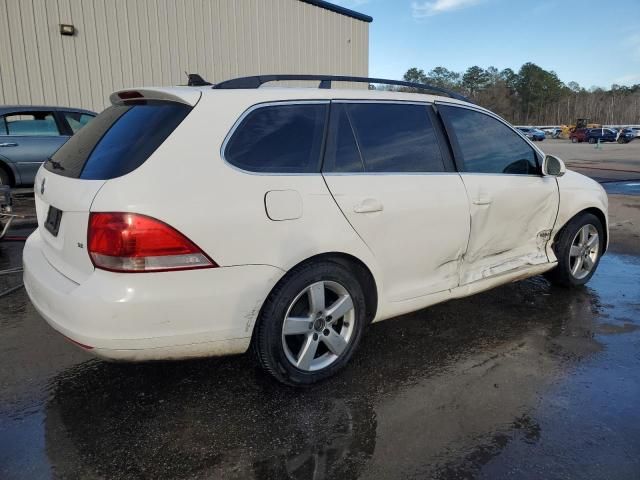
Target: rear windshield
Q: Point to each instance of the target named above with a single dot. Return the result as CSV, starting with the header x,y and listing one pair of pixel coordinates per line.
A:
x,y
117,141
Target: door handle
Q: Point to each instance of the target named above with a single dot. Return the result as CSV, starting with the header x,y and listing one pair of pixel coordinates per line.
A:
x,y
8,144
482,201
368,205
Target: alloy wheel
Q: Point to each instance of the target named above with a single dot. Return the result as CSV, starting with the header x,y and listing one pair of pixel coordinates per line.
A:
x,y
318,326
584,251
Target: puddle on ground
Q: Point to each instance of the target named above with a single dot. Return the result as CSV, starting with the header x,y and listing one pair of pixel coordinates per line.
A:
x,y
622,188
527,378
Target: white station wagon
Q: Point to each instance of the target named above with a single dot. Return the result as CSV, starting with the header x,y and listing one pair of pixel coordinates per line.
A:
x,y
201,221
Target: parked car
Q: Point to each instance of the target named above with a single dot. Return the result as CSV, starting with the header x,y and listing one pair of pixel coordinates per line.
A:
x,y
553,132
29,135
625,135
601,134
636,131
533,133
200,221
578,135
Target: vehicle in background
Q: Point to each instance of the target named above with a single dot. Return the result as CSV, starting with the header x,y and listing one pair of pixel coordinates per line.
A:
x,y
29,135
554,132
578,135
625,135
533,134
636,131
593,135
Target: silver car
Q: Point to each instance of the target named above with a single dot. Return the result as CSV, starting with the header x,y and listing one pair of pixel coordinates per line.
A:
x,y
29,135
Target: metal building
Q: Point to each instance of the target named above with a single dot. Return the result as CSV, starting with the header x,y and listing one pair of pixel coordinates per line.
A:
x,y
77,52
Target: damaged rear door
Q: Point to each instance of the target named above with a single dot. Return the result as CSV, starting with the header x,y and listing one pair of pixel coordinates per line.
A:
x,y
397,187
513,207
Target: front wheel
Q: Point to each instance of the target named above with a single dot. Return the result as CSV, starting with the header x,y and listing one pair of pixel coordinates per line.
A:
x,y
578,248
574,140
592,140
310,324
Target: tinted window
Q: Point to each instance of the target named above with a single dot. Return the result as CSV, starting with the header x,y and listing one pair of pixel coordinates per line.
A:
x,y
394,137
117,141
77,120
279,139
342,151
487,145
31,124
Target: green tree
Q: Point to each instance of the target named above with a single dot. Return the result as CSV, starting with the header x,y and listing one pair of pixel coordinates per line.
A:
x,y
475,79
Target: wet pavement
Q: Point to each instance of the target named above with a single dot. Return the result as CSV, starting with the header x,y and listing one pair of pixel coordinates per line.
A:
x,y
623,188
525,381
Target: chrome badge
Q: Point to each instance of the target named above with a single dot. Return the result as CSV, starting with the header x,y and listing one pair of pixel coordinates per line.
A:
x,y
42,186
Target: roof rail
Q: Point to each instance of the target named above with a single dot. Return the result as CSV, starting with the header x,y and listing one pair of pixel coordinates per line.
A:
x,y
325,82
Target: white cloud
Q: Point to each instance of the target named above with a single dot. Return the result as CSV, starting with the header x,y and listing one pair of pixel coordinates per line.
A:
x,y
434,7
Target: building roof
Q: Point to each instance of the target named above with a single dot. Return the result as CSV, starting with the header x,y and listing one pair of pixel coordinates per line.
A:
x,y
340,10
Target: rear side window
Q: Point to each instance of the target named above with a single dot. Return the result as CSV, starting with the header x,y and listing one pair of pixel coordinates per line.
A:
x,y
486,145
77,120
31,124
385,137
279,139
117,141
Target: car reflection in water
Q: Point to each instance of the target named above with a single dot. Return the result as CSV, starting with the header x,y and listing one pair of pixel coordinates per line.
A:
x,y
437,393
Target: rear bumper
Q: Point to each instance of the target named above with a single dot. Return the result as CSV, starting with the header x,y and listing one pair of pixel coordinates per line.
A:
x,y
150,316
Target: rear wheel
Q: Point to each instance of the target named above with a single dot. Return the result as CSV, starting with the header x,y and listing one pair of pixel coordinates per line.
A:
x,y
310,324
574,140
4,177
592,140
578,248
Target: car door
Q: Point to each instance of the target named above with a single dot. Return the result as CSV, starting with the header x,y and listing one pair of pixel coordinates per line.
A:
x,y
513,207
27,139
387,171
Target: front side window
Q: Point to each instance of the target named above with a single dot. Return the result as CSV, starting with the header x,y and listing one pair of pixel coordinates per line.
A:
x,y
484,144
279,139
31,124
382,137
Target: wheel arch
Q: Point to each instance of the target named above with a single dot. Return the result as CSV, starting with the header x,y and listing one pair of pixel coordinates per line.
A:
x,y
12,175
594,211
355,265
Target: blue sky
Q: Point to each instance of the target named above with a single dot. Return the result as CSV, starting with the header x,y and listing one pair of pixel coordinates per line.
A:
x,y
592,42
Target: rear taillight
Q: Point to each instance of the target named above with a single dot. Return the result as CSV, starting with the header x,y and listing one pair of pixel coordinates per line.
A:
x,y
129,242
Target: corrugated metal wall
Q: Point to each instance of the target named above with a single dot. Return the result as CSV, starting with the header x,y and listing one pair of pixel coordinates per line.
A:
x,y
125,43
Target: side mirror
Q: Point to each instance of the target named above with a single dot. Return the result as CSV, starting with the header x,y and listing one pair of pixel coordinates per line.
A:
x,y
553,166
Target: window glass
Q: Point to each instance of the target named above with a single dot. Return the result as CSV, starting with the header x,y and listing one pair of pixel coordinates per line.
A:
x,y
279,139
395,137
486,144
33,124
342,151
117,141
77,120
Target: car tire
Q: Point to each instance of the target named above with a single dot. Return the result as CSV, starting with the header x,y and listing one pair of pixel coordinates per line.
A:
x,y
578,250
318,346
592,140
574,140
4,177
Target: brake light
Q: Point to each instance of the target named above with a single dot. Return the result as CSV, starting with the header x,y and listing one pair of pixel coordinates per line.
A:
x,y
130,242
130,95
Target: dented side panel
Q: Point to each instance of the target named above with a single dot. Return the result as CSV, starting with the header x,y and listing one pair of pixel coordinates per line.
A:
x,y
577,193
511,221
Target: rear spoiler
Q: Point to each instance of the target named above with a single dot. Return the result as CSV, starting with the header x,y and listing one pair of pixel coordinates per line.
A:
x,y
186,95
